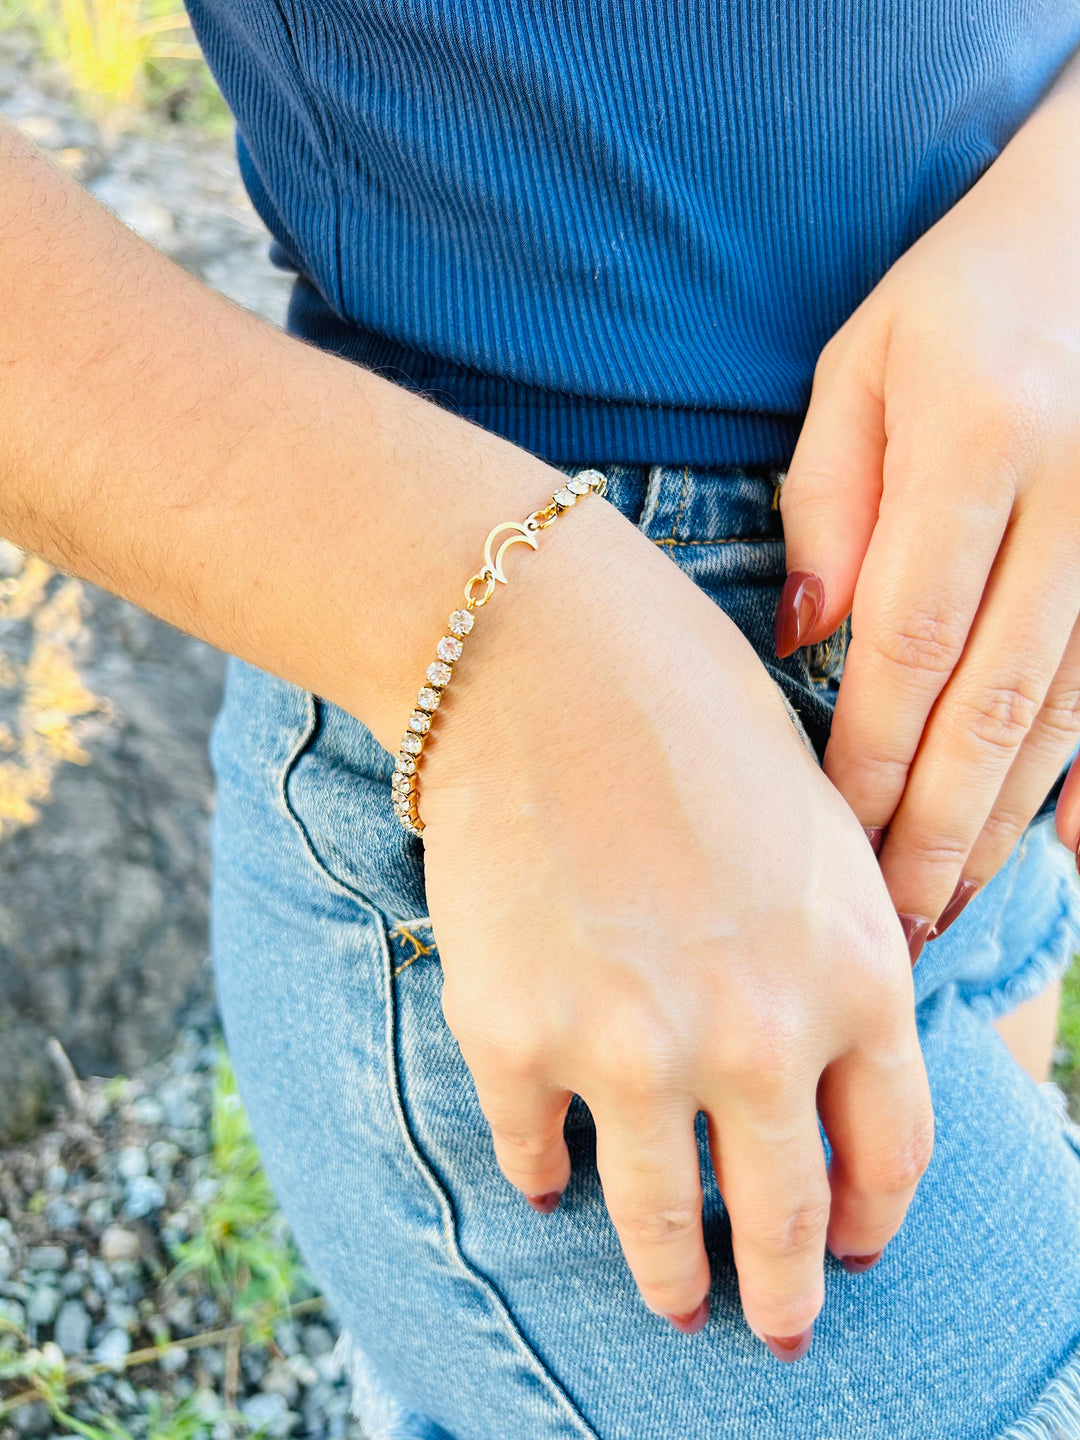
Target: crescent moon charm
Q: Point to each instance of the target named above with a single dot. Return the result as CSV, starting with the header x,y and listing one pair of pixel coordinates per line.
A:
x,y
520,533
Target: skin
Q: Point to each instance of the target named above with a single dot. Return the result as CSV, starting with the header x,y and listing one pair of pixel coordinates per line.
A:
x,y
682,910
935,494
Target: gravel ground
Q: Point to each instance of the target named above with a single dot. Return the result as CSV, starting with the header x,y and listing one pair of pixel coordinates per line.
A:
x,y
92,1210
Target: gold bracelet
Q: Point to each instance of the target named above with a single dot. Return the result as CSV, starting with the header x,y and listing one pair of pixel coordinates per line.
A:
x,y
405,785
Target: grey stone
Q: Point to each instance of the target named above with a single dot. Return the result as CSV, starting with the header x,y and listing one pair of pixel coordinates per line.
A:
x,y
43,1305
72,1329
60,1214
32,1420
46,1257
118,1244
13,1313
267,1412
113,1349
144,1196
131,1162
173,1360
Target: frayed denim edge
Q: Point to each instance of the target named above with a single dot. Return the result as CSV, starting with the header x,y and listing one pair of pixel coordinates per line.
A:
x,y
1056,1415
1047,964
382,1416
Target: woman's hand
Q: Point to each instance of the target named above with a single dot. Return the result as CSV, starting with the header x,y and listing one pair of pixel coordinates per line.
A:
x,y
646,893
935,494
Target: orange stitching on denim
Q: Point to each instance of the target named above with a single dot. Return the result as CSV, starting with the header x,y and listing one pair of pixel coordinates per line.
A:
x,y
723,540
421,948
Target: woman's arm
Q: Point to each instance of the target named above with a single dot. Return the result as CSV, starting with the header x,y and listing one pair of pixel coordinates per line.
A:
x,y
661,912
276,501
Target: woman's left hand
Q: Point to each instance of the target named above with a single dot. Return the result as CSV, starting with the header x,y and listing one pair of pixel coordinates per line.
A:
x,y
935,495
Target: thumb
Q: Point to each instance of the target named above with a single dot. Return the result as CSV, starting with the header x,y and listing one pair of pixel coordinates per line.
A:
x,y
830,496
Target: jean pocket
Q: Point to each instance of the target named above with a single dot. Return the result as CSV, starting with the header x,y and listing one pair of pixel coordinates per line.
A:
x,y
337,791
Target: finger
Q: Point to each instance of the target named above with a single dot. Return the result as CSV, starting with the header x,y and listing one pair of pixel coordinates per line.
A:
x,y
526,1119
830,496
1045,749
770,1167
918,592
984,714
1067,811
650,1171
875,1107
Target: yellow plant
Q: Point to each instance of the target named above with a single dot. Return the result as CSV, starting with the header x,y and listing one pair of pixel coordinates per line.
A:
x,y
107,44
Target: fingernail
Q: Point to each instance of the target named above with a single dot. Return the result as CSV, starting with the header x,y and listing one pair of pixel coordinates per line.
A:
x,y
801,602
790,1347
856,1264
916,929
875,834
692,1323
965,889
545,1203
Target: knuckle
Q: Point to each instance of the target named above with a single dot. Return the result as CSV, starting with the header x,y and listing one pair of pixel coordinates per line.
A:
x,y
1059,717
761,1055
523,1149
636,1060
793,1231
925,642
1000,717
638,1226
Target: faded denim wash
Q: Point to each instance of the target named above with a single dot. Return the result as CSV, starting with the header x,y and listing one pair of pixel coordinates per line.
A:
x,y
474,1318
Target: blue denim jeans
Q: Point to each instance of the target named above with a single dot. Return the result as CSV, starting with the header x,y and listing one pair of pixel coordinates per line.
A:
x,y
471,1316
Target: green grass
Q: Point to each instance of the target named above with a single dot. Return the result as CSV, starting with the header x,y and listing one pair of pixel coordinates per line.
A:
x,y
1067,1069
124,56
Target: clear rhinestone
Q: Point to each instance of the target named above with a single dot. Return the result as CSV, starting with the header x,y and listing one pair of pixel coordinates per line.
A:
x,y
448,648
461,622
428,699
404,764
411,744
564,497
419,722
438,673
578,486
401,784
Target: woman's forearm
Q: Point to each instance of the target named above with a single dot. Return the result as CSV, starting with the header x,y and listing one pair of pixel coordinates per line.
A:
x,y
283,504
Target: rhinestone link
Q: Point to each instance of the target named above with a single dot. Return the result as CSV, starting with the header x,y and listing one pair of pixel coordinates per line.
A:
x,y
404,783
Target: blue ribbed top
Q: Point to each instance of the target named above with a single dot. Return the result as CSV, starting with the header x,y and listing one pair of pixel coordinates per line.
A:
x,y
614,229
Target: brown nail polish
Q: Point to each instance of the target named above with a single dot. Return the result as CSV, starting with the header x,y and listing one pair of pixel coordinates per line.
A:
x,y
545,1203
801,602
856,1264
875,834
916,929
965,889
790,1347
692,1323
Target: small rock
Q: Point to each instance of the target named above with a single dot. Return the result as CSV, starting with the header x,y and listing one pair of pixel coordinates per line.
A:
x,y
99,1212
144,1196
131,1162
317,1341
56,1177
72,1283
32,1420
279,1380
121,1316
148,1111
13,1314
173,1360
113,1349
72,1330
60,1214
269,1413
46,1257
44,1303
119,1244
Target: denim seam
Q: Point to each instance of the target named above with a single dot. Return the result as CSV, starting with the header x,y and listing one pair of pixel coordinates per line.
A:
x,y
453,1250
495,1300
